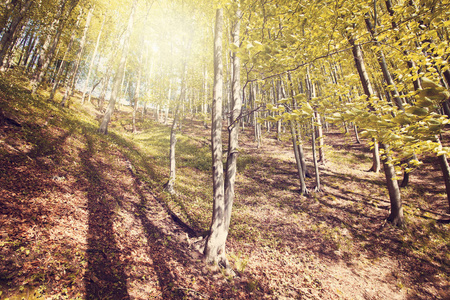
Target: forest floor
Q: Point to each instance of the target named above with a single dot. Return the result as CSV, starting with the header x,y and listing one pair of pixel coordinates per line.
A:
x,y
85,216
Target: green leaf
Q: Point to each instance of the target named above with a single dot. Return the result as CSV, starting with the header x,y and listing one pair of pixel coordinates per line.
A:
x,y
418,111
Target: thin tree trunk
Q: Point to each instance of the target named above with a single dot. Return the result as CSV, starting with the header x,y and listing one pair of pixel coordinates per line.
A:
x,y
396,215
301,172
215,244
119,74
29,48
298,138
7,36
383,65
320,137
51,43
236,106
355,128
73,76
91,65
64,62
8,10
169,186
368,90
93,88
316,165
136,99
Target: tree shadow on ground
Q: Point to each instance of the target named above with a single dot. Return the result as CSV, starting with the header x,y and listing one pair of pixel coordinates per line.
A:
x,y
166,240
105,276
28,170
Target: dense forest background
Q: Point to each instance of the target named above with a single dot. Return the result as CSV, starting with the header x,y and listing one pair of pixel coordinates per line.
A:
x,y
224,149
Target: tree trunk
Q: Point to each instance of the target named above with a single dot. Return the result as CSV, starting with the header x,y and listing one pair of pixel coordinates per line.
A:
x,y
301,172
7,36
215,244
50,44
368,90
136,99
298,138
29,48
316,165
355,128
73,75
86,83
169,186
64,62
383,65
396,215
101,99
236,106
119,74
8,10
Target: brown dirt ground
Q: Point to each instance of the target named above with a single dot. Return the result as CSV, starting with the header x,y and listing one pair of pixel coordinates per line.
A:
x,y
77,222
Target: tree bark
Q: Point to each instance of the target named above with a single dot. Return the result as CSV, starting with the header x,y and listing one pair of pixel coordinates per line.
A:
x,y
64,62
51,42
384,68
368,90
136,99
119,74
236,106
86,83
7,36
316,165
73,75
101,99
169,186
215,244
300,169
396,215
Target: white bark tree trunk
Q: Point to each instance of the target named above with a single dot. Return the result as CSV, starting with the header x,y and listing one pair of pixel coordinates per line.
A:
x,y
119,74
86,83
215,245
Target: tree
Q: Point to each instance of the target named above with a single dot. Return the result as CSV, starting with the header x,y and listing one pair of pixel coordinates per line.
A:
x,y
119,73
18,16
215,244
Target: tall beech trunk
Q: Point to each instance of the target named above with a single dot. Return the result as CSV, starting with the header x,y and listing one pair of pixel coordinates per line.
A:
x,y
51,42
236,107
26,40
29,48
368,90
73,75
318,122
169,186
136,98
8,10
446,174
396,216
313,143
12,49
355,129
320,137
383,65
101,99
215,245
7,36
119,74
64,63
298,139
300,169
91,65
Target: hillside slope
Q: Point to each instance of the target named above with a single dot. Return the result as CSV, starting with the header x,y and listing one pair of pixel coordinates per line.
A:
x,y
84,216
